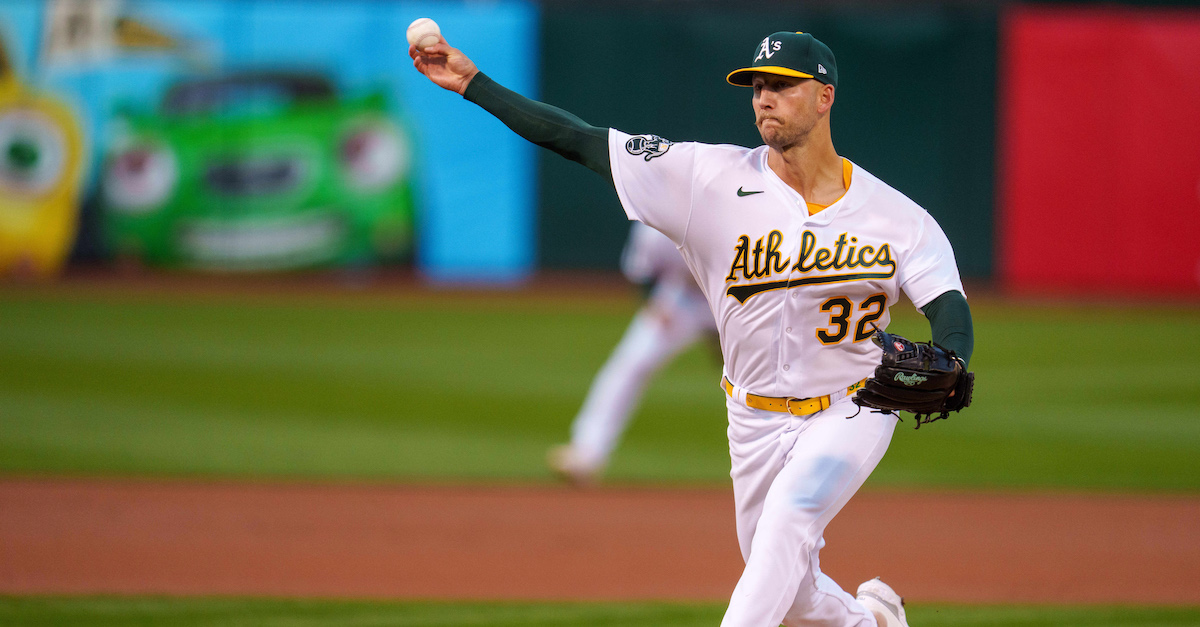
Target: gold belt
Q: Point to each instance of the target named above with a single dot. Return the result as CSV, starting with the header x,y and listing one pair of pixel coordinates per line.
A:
x,y
789,405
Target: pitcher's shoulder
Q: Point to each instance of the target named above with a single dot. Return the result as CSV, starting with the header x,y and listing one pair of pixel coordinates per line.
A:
x,y
729,156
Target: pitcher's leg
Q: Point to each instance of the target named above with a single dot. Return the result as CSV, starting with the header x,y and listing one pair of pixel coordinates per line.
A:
x,y
830,459
821,601
759,442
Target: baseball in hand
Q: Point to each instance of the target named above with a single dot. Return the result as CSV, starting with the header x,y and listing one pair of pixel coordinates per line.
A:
x,y
423,32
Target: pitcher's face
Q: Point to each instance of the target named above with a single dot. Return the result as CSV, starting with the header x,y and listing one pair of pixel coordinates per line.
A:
x,y
786,108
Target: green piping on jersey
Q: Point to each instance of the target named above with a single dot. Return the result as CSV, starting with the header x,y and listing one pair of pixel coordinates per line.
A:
x,y
743,292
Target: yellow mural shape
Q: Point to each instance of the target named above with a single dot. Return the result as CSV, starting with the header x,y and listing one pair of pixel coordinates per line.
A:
x,y
41,168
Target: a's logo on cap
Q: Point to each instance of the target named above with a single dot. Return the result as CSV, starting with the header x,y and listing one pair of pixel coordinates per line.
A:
x,y
767,49
821,69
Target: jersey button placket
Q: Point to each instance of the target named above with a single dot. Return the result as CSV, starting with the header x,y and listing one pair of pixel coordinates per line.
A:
x,y
786,340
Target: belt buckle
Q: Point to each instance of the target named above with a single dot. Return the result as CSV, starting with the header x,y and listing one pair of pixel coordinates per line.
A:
x,y
790,399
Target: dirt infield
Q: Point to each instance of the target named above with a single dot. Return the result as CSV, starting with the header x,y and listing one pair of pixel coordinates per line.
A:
x,y
179,538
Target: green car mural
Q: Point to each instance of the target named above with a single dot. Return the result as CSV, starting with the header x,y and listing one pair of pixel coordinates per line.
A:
x,y
259,171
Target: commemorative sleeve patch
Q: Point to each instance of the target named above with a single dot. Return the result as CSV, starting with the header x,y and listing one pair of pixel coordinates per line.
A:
x,y
649,145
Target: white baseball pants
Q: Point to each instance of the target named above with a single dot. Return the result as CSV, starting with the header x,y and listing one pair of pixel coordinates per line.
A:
x,y
669,322
791,476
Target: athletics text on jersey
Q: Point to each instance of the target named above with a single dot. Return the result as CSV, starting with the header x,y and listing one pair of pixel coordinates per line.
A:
x,y
815,265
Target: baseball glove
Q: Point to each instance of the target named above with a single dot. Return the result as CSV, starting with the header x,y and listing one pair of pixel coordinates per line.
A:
x,y
918,377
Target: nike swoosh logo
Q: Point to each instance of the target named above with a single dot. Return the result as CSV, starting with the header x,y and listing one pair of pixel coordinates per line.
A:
x,y
742,193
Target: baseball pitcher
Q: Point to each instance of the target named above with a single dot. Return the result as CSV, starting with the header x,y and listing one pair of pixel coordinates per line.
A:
x,y
800,254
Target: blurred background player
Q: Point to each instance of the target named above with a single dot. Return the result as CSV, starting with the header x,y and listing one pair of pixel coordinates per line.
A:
x,y
674,316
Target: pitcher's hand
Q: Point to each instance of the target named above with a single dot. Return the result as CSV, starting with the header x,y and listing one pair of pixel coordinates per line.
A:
x,y
446,66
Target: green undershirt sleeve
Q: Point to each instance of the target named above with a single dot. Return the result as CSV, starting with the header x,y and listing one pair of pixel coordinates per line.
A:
x,y
543,124
950,320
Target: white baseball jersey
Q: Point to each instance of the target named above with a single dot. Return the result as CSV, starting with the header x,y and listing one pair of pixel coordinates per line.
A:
x,y
794,295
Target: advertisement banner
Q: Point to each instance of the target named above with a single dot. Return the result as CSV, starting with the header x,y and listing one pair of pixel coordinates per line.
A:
x,y
260,135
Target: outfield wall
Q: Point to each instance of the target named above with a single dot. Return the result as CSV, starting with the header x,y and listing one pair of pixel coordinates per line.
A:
x,y
473,179
916,105
1087,180
1101,167
1089,164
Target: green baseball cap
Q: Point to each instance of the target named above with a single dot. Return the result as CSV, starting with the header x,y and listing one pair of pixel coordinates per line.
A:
x,y
789,54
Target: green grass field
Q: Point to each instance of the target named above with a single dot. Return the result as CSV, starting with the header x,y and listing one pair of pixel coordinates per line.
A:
x,y
428,389
103,612
470,389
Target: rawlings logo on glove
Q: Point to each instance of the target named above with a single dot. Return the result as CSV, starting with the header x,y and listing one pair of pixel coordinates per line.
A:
x,y
910,379
922,378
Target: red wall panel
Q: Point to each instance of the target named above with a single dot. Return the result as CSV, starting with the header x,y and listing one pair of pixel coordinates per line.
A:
x,y
1100,141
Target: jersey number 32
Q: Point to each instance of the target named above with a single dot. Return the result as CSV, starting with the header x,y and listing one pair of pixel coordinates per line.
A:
x,y
840,309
